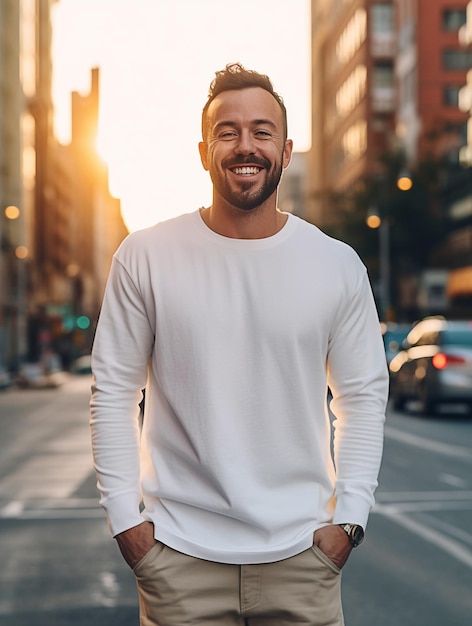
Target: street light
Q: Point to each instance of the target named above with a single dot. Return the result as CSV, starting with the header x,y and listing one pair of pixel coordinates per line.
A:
x,y
375,221
404,181
21,252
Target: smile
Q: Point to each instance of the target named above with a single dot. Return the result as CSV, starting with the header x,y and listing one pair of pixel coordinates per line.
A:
x,y
246,171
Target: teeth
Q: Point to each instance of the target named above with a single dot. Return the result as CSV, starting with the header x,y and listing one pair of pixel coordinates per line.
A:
x,y
246,170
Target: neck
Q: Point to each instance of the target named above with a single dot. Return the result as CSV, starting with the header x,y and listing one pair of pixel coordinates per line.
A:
x,y
235,223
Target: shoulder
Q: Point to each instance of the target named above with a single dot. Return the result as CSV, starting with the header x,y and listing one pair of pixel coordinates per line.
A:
x,y
320,245
142,242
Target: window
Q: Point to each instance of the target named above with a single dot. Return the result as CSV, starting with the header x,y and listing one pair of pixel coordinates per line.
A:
x,y
351,91
382,18
355,140
453,19
451,95
457,59
28,43
352,37
382,76
428,338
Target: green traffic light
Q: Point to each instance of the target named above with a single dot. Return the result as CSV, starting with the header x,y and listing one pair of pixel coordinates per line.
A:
x,y
83,322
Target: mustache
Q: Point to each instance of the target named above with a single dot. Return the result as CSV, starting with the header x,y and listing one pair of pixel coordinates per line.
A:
x,y
248,160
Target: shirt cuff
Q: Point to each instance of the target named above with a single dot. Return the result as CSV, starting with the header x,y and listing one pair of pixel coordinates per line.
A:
x,y
351,509
122,512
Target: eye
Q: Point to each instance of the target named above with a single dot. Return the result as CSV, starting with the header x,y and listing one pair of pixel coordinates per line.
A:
x,y
263,134
227,135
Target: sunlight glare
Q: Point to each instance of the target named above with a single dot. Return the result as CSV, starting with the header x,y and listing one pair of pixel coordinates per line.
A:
x,y
155,69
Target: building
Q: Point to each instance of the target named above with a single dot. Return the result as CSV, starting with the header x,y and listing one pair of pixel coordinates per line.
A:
x,y
97,226
430,69
20,27
292,190
386,81
458,246
77,233
59,225
353,95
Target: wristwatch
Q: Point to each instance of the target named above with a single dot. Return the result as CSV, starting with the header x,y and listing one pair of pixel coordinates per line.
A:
x,y
354,532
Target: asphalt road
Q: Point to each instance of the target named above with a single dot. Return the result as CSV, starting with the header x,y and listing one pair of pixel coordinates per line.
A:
x,y
59,565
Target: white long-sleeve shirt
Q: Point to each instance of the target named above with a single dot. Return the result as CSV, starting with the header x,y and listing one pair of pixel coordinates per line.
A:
x,y
236,341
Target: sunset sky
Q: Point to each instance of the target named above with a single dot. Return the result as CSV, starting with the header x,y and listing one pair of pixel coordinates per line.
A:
x,y
157,59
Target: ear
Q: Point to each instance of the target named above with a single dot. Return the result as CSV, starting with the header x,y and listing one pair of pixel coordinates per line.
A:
x,y
203,149
287,154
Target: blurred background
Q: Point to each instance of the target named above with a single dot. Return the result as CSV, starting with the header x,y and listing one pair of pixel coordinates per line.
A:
x,y
100,108
100,105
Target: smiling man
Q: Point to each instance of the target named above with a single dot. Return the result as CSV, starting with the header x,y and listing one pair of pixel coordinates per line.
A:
x,y
228,505
245,148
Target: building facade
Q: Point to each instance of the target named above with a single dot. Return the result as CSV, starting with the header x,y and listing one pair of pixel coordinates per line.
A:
x,y
18,32
353,45
59,225
386,79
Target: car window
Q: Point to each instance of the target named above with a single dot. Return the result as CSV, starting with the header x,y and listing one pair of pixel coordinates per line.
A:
x,y
456,337
427,339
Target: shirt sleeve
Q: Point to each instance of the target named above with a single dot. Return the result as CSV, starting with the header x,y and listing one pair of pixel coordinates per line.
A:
x,y
120,355
358,379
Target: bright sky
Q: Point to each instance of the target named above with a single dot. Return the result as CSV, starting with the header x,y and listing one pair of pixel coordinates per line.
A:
x,y
157,59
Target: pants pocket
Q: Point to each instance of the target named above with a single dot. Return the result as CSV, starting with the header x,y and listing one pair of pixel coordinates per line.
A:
x,y
321,556
148,558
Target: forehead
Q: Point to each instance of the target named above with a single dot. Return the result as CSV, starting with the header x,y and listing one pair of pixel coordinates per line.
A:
x,y
243,106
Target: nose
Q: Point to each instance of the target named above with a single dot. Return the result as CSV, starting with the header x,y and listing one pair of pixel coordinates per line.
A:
x,y
245,143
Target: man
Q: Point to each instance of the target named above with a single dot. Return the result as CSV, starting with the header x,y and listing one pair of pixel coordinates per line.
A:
x,y
236,318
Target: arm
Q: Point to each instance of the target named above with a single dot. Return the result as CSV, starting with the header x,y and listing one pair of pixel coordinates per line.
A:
x,y
122,346
358,378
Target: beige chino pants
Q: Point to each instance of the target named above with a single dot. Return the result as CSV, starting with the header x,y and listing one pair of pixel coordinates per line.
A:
x,y
176,590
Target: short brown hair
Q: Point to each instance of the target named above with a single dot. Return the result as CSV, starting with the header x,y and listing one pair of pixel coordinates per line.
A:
x,y
236,76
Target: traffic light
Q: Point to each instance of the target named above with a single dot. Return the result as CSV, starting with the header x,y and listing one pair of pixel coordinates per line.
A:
x,y
83,322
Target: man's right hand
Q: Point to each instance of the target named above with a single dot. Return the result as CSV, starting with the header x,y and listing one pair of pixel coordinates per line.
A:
x,y
136,542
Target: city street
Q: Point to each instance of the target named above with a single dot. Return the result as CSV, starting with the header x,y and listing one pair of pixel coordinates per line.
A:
x,y
60,566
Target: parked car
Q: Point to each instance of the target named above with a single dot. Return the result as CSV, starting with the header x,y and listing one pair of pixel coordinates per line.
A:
x,y
45,374
82,365
435,365
393,336
5,379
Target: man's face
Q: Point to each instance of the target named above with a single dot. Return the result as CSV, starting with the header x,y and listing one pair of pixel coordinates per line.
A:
x,y
245,150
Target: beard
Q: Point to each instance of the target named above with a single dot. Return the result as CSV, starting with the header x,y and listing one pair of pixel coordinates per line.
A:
x,y
249,195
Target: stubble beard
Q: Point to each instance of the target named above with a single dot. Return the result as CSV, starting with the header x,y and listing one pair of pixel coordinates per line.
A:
x,y
246,198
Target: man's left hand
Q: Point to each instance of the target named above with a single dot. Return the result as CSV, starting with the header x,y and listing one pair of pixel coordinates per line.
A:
x,y
334,542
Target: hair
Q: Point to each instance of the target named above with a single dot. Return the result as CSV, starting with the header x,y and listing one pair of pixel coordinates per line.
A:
x,y
234,77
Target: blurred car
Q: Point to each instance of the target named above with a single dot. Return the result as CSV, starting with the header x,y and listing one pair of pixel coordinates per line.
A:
x,y
435,365
393,336
82,365
45,374
5,379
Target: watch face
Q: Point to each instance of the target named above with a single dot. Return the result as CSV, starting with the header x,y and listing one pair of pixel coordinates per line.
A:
x,y
357,535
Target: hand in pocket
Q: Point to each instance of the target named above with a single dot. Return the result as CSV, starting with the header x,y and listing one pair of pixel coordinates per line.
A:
x,y
334,542
136,542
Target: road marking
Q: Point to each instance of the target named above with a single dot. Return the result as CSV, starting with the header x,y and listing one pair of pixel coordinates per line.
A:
x,y
38,514
452,547
72,508
454,481
108,592
12,509
47,475
401,496
446,449
413,507
445,527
